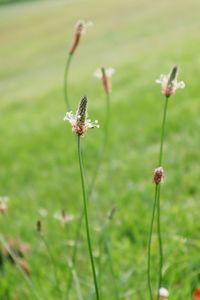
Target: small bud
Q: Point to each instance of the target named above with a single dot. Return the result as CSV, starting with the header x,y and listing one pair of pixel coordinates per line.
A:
x,y
39,226
158,175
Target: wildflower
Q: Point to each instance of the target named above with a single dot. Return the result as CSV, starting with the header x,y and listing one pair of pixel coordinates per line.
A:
x,y
163,293
79,122
3,205
158,175
63,218
169,82
196,295
105,76
80,29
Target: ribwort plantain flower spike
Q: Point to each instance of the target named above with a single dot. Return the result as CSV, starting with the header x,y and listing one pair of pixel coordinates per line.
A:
x,y
163,293
158,175
80,123
169,83
80,29
105,76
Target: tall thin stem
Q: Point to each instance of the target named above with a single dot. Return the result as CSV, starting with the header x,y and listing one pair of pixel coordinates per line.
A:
x,y
149,244
26,278
163,132
66,82
86,218
159,241
158,196
91,187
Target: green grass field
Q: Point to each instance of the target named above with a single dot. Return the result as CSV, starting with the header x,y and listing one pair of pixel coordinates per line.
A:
x,y
39,167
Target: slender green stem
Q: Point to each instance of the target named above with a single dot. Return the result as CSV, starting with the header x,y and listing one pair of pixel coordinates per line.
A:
x,y
86,219
26,278
66,82
163,132
159,241
158,196
149,244
53,263
90,190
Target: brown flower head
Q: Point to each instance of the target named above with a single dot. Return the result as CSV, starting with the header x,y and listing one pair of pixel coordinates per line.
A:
x,y
80,29
158,175
105,76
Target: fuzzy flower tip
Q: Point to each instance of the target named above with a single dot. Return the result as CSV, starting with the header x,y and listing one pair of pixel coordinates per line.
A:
x,y
80,123
105,76
163,293
158,175
80,29
169,83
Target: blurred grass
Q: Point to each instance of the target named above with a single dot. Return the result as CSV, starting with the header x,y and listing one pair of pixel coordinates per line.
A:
x,y
38,155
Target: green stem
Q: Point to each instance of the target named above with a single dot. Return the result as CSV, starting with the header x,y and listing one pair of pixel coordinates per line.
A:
x,y
86,219
53,263
163,132
91,187
149,244
26,278
158,197
66,98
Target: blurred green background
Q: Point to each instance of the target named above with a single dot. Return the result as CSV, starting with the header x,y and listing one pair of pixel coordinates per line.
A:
x,y
39,167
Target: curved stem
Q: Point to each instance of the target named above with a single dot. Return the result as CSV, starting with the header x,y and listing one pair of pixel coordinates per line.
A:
x,y
66,81
53,263
26,278
86,219
90,190
149,244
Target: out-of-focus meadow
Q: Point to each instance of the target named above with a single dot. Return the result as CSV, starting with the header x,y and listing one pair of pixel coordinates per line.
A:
x,y
39,168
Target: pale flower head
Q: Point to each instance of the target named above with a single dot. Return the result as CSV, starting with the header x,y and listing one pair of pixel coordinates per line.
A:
x,y
105,76
163,293
80,123
63,218
169,83
3,205
80,29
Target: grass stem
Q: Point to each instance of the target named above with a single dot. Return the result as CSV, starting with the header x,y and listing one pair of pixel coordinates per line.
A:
x,y
86,217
